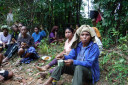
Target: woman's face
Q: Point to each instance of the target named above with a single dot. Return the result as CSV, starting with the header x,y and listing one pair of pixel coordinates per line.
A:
x,y
5,32
85,37
36,30
68,34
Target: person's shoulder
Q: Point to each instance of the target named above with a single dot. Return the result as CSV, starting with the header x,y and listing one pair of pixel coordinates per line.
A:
x,y
41,33
79,44
33,33
94,46
19,37
30,37
66,41
51,32
42,30
1,33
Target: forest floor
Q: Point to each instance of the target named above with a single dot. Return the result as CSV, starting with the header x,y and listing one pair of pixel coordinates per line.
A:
x,y
27,74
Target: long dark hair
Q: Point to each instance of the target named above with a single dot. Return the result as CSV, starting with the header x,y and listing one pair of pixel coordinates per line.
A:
x,y
54,29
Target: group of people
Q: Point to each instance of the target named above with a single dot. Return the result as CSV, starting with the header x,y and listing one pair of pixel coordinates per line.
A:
x,y
21,42
80,55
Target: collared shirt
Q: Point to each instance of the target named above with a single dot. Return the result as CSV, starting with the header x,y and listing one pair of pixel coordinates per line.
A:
x,y
89,60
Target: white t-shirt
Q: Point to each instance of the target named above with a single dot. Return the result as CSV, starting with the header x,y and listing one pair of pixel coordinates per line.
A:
x,y
4,39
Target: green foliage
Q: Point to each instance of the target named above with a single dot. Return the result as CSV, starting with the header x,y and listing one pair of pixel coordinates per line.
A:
x,y
46,12
115,63
123,45
115,17
43,47
107,42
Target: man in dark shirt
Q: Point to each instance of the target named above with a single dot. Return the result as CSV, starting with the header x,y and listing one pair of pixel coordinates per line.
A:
x,y
26,47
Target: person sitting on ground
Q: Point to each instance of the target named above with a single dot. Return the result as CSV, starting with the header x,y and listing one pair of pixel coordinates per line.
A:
x,y
67,49
4,74
82,61
53,34
26,47
96,29
12,47
42,32
5,37
37,36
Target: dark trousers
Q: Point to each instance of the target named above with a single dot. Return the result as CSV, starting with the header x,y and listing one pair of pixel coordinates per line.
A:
x,y
81,74
12,48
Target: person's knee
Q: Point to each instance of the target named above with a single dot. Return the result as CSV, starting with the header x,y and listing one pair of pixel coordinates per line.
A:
x,y
20,51
1,58
79,67
10,75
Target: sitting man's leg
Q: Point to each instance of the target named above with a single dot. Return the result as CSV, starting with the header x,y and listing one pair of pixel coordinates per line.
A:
x,y
46,67
9,47
82,75
1,58
21,51
58,72
1,47
5,75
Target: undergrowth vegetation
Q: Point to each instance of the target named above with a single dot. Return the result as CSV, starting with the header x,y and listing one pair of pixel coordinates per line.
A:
x,y
114,63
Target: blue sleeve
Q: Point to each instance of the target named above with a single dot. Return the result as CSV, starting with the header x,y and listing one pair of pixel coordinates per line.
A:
x,y
33,35
93,55
71,55
44,33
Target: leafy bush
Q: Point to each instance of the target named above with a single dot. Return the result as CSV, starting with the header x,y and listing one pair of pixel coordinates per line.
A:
x,y
43,47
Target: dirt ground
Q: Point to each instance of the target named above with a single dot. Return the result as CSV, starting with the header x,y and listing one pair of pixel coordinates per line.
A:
x,y
27,74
